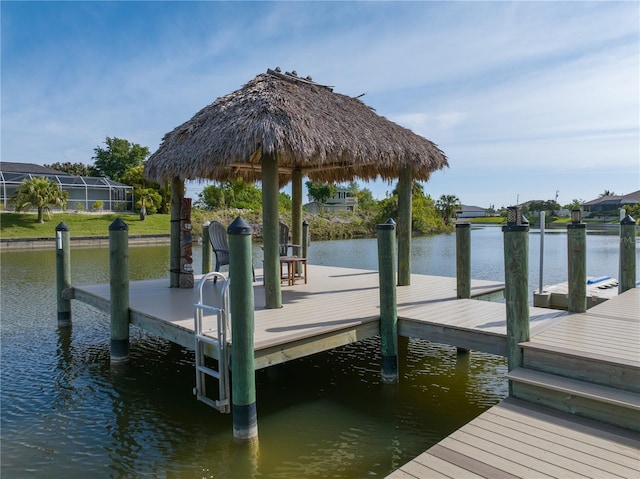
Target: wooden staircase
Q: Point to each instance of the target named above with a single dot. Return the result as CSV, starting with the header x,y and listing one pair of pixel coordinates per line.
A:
x,y
591,385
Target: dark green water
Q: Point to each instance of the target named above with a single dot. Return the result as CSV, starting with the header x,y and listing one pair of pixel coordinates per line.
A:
x,y
66,413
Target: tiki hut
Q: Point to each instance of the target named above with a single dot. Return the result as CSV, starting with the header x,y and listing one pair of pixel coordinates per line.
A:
x,y
279,128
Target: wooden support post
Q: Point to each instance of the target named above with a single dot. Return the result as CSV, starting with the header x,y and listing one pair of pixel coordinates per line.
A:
x,y
245,419
206,248
305,238
405,184
296,213
186,245
63,273
577,266
627,254
177,193
271,232
516,272
119,289
463,260
388,304
296,203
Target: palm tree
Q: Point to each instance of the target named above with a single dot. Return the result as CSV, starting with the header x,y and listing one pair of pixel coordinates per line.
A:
x,y
447,205
607,193
39,193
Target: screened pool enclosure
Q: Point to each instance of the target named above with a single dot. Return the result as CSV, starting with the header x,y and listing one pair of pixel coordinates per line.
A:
x,y
85,193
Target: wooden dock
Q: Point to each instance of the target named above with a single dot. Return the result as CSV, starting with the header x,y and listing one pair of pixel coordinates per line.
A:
x,y
575,405
574,410
337,306
556,296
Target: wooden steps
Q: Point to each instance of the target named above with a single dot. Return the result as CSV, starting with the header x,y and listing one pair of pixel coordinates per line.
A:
x,y
594,367
588,365
611,405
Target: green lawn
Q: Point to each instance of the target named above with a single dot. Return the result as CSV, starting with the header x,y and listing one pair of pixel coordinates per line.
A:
x,y
24,225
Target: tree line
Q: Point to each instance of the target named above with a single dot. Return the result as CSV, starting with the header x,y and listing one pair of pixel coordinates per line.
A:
x,y
123,161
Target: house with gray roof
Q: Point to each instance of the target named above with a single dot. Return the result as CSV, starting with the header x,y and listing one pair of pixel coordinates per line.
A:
x,y
611,203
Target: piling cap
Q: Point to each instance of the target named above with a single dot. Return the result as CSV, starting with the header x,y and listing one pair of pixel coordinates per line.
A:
x,y
239,227
463,224
118,225
62,227
628,220
387,225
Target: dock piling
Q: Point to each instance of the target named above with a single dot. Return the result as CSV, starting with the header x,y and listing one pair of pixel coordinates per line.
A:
x,y
388,304
516,272
119,289
463,260
243,381
577,264
206,248
63,273
627,254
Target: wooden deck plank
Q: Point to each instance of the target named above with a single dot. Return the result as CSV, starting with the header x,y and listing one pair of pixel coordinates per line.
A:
x,y
537,450
563,425
625,306
509,462
530,441
418,470
445,467
565,445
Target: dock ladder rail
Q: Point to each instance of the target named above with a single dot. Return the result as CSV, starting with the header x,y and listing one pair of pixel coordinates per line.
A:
x,y
218,338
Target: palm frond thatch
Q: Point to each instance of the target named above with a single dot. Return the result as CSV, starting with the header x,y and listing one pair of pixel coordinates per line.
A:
x,y
329,136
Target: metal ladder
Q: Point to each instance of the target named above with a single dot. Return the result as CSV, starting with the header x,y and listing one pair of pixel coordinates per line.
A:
x,y
217,337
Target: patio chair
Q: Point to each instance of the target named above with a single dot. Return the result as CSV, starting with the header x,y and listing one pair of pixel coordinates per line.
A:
x,y
284,242
220,246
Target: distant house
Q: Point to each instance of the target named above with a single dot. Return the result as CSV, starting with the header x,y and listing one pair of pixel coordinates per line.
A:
x,y
611,203
342,201
83,191
465,211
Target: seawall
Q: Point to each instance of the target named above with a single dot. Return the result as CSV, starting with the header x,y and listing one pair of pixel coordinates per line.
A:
x,y
23,244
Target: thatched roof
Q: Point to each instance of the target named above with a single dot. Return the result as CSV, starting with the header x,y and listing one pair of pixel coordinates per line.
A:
x,y
329,136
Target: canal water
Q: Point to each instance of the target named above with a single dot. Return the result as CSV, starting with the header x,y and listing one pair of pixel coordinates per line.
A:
x,y
66,413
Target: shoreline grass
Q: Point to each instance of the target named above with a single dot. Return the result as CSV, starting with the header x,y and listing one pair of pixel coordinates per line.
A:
x,y
25,225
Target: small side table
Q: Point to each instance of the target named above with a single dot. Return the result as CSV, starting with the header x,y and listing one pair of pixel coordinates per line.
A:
x,y
292,263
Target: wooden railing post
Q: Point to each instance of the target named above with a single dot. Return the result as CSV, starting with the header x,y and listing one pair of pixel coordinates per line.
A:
x,y
388,303
243,409
463,260
516,273
206,248
627,254
63,273
577,264
119,289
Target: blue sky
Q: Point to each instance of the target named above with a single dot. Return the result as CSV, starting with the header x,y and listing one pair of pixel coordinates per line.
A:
x,y
525,98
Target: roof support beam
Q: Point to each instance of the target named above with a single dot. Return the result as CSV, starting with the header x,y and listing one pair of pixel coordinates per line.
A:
x,y
271,231
296,213
405,183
